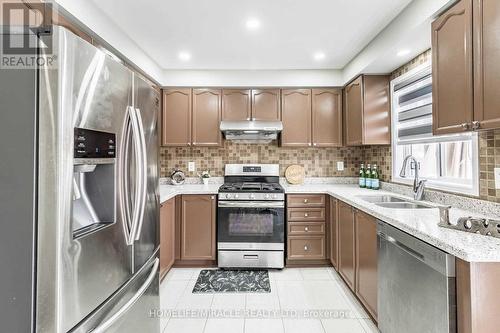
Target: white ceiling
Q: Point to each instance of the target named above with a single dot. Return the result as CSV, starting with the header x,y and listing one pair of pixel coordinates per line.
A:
x,y
214,31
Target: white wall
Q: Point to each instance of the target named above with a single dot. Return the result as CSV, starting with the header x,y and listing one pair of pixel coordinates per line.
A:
x,y
410,30
103,26
241,78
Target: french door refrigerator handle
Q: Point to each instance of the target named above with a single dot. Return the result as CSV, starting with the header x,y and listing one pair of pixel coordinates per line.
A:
x,y
120,313
144,175
129,213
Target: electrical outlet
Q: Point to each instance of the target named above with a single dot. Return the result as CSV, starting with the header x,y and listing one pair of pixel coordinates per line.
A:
x,y
340,166
497,178
191,167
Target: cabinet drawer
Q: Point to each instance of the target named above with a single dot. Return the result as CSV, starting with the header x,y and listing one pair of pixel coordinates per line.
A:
x,y
306,200
306,214
306,228
306,247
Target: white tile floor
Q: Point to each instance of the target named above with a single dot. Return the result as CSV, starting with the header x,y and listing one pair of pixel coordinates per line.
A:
x,y
301,300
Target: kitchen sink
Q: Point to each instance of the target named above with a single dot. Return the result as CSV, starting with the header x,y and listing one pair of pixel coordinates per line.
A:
x,y
380,198
389,201
403,205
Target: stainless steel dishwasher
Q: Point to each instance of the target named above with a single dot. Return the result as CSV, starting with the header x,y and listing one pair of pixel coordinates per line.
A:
x,y
416,285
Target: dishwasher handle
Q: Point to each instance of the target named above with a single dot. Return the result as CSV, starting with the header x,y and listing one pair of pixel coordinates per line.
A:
x,y
401,246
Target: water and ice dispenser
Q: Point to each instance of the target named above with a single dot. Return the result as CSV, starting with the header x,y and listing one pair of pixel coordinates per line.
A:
x,y
93,181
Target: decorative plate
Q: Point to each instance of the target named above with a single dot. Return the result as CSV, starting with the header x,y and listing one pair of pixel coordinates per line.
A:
x,y
294,174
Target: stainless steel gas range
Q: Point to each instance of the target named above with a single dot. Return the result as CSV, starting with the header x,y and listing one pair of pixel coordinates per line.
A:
x,y
251,217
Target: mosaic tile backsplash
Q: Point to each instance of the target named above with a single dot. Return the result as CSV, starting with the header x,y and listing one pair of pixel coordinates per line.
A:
x,y
317,162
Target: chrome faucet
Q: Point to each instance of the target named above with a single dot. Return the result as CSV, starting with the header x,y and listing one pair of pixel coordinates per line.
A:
x,y
418,185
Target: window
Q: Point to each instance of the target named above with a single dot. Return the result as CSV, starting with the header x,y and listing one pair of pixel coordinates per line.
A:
x,y
448,162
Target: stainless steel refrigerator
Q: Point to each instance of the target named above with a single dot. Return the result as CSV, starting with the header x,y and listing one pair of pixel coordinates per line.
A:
x,y
79,194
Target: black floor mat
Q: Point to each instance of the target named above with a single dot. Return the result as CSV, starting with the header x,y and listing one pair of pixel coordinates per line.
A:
x,y
237,281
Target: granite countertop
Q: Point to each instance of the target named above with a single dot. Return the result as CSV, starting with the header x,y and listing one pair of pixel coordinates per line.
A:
x,y
421,223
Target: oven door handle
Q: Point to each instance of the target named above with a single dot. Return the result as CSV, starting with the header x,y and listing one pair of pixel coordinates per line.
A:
x,y
252,204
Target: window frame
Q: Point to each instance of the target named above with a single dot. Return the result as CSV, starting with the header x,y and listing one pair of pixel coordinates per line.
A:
x,y
438,183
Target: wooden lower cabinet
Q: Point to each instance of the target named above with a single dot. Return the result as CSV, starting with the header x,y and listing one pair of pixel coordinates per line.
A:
x,y
198,227
347,254
167,236
366,261
477,298
333,232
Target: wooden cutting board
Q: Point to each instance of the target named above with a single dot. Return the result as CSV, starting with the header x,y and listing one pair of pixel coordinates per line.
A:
x,y
294,174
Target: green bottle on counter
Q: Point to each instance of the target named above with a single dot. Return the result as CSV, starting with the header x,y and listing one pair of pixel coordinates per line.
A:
x,y
362,176
368,177
375,178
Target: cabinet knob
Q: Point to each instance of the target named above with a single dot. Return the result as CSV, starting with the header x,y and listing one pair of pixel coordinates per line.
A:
x,y
306,215
476,125
306,228
212,197
315,144
465,126
253,119
309,144
305,200
248,118
306,248
189,143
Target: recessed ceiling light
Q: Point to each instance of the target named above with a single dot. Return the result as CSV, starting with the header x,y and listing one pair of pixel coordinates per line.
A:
x,y
319,56
253,24
184,56
402,53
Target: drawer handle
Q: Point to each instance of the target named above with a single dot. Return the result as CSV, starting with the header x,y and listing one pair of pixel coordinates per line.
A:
x,y
251,256
306,229
306,215
305,200
306,248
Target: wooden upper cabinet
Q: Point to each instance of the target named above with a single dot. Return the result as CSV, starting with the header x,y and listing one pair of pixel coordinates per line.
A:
x,y
367,261
266,104
198,227
354,112
207,114
176,117
236,104
452,73
333,228
296,117
368,111
486,63
346,236
327,117
167,236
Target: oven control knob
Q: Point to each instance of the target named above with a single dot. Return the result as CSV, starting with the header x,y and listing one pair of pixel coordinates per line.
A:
x,y
228,195
266,196
468,224
236,196
252,196
275,196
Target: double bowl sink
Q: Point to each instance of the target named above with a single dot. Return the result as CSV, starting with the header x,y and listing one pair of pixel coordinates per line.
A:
x,y
389,201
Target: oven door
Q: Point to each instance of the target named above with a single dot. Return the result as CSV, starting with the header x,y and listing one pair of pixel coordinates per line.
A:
x,y
245,225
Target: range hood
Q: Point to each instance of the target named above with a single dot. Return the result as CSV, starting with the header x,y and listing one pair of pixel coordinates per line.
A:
x,y
256,131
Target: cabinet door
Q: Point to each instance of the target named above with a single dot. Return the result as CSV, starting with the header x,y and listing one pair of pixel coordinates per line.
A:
x,y
346,256
333,232
327,117
486,64
206,117
366,261
376,110
296,115
198,227
167,236
236,104
354,112
176,117
452,90
266,104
